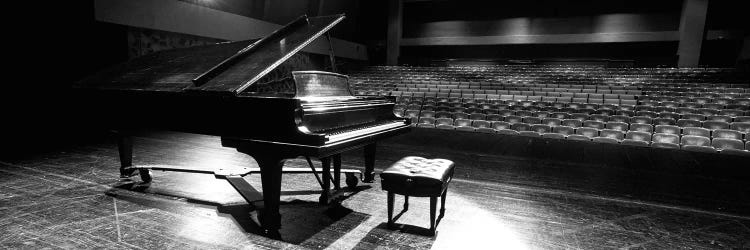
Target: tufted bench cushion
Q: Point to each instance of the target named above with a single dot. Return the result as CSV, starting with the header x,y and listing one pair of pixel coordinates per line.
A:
x,y
417,176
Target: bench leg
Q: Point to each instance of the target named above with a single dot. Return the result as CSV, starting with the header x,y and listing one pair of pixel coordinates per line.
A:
x,y
406,203
442,203
433,207
391,197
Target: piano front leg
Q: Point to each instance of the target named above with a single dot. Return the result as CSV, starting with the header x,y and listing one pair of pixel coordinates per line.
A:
x,y
270,175
337,171
369,163
326,162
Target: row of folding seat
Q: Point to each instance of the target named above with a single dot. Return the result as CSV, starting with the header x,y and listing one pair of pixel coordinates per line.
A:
x,y
581,108
737,129
687,120
632,137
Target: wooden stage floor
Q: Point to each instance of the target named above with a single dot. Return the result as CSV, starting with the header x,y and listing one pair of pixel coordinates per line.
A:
x,y
72,198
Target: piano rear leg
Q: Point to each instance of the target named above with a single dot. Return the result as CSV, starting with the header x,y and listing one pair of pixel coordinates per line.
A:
x,y
369,163
125,150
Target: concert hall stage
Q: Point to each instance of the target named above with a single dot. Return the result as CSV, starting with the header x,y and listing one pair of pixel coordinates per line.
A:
x,y
508,193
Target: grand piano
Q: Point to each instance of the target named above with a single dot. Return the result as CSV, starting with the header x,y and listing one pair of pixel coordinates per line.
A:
x,y
224,90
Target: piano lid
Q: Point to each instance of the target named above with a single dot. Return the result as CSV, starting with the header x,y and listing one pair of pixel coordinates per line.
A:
x,y
226,68
250,64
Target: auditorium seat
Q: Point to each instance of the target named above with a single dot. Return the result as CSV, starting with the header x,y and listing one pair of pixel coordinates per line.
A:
x,y
560,115
720,118
500,125
579,116
665,141
426,122
726,143
696,143
726,134
571,123
664,121
637,138
694,117
460,115
427,113
577,137
621,126
667,129
703,132
507,112
619,118
476,116
520,127
444,123
508,132
513,119
494,117
593,124
588,132
688,123
743,127
713,125
731,112
553,136
641,127
563,130
611,133
541,128
741,119
443,114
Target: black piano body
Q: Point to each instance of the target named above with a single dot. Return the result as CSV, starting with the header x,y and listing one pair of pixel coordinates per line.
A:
x,y
221,90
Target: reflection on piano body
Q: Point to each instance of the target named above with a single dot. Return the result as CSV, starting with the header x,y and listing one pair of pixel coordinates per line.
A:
x,y
220,90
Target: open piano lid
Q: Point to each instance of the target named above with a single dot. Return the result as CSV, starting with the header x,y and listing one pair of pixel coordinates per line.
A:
x,y
201,69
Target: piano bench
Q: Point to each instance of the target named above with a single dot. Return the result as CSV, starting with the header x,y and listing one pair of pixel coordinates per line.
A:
x,y
419,177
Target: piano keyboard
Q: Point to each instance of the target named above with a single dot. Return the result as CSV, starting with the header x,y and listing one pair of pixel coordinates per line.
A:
x,y
355,131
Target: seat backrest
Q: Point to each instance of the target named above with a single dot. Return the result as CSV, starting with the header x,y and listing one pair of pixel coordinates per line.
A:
x,y
727,134
498,125
513,119
532,120
443,121
520,127
715,125
589,132
743,127
638,136
726,143
721,118
409,113
571,123
541,128
742,119
480,124
666,138
565,130
641,127
621,126
688,123
477,116
667,129
696,131
641,120
427,113
611,133
695,140
664,121
619,118
593,124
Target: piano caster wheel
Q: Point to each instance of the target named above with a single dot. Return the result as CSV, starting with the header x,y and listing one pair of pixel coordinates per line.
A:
x,y
351,180
145,175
